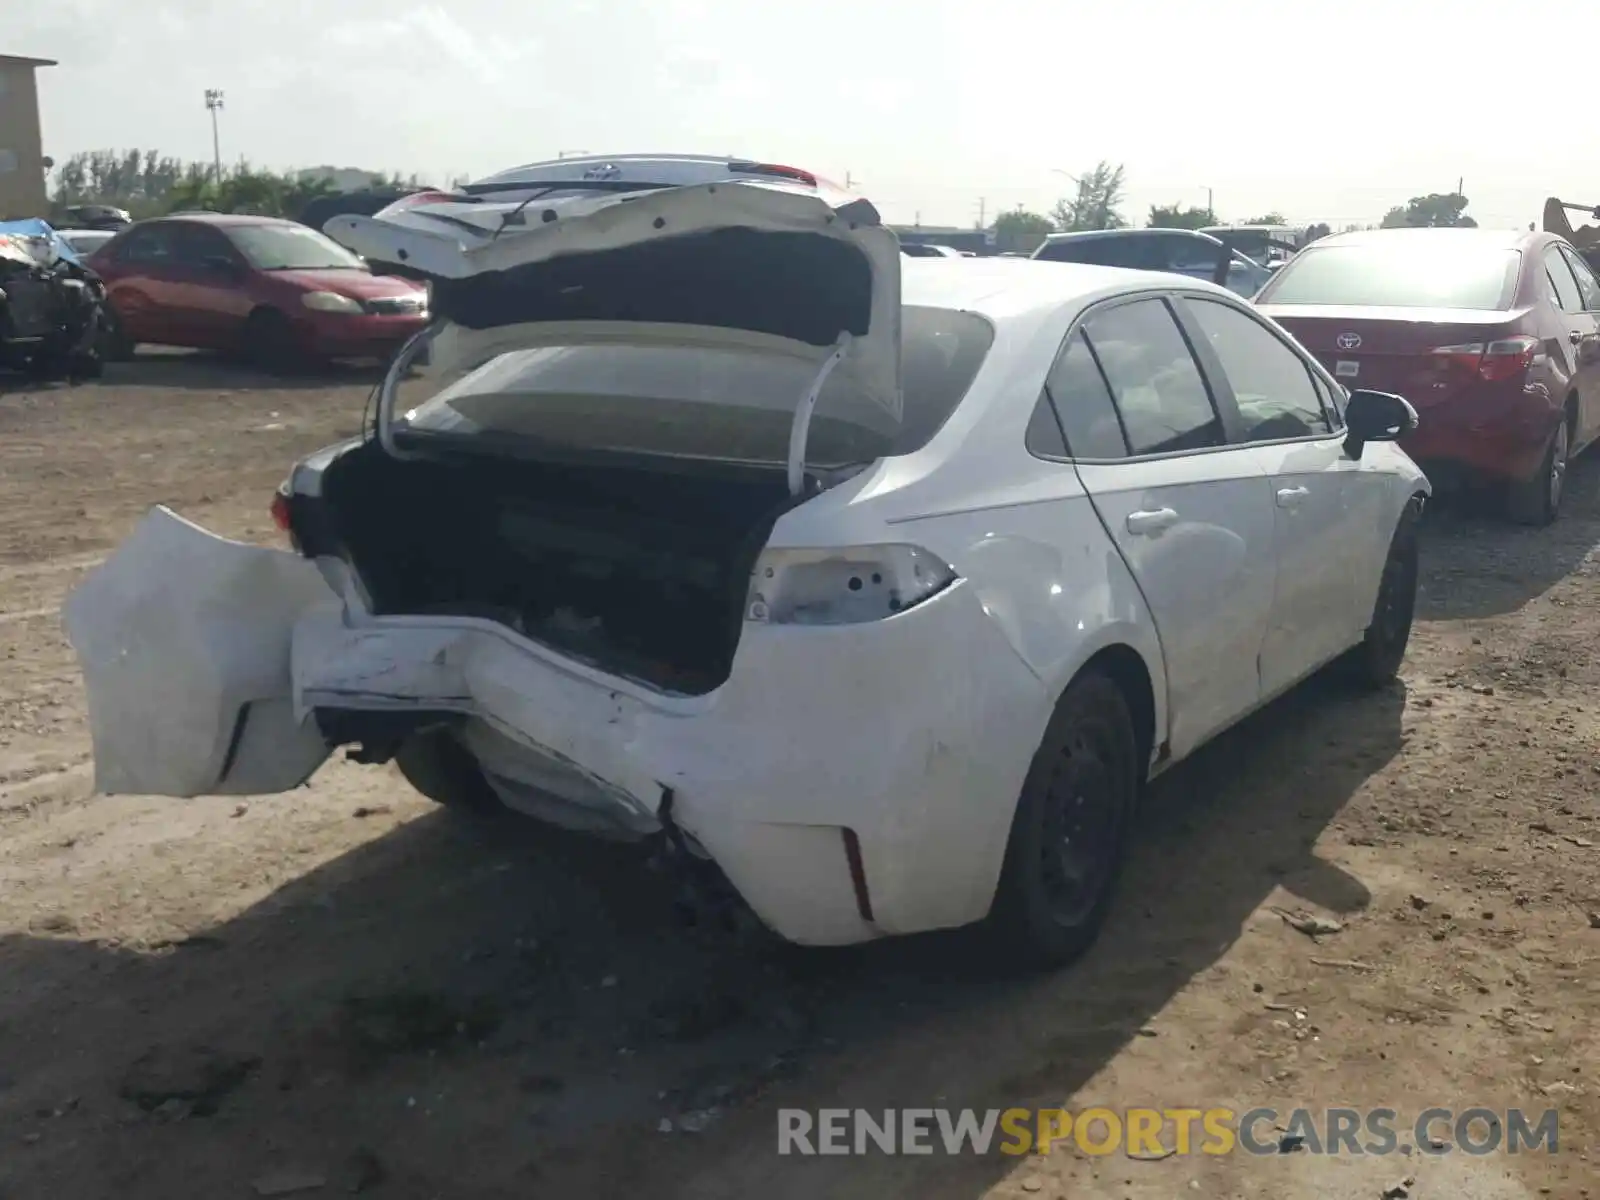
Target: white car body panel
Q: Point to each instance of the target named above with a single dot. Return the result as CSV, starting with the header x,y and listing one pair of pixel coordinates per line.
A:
x,y
947,700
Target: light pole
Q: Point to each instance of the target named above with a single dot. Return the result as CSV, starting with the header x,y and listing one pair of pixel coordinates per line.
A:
x,y
214,106
1211,202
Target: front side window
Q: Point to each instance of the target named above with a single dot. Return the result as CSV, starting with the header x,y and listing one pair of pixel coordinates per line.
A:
x,y
1159,392
1273,386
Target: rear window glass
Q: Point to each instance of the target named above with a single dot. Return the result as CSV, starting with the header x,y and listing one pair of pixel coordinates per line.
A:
x,y
705,402
1138,253
1412,275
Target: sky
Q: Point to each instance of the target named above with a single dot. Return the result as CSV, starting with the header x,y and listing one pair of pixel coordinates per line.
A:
x,y
937,110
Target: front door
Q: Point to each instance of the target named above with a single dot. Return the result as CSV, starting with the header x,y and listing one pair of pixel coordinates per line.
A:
x,y
1191,516
1329,514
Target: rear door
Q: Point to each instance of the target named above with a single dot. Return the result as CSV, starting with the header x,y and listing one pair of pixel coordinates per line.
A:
x,y
1191,514
141,287
1332,517
1583,326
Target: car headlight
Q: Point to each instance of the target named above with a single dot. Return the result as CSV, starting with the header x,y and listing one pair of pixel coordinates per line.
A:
x,y
842,586
330,302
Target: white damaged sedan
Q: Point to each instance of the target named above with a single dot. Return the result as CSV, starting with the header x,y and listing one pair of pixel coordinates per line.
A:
x,y
883,584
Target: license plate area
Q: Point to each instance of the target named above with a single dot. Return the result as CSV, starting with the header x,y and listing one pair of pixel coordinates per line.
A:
x,y
1346,368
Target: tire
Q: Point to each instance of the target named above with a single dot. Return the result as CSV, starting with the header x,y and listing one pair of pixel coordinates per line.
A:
x,y
439,767
1086,772
1537,501
1374,662
269,343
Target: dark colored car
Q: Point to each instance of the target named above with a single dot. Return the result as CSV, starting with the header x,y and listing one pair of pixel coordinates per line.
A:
x,y
1178,251
277,291
96,216
1494,337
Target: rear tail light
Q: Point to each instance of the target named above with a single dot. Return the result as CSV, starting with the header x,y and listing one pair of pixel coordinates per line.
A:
x,y
280,514
1503,358
416,199
774,171
845,586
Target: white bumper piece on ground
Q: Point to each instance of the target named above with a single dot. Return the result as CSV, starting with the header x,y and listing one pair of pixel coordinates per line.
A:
x,y
204,658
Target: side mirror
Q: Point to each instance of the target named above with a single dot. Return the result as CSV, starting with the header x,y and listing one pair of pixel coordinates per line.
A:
x,y
1377,417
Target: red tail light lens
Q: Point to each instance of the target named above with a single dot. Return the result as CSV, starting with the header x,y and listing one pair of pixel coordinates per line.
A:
x,y
1503,358
774,171
280,511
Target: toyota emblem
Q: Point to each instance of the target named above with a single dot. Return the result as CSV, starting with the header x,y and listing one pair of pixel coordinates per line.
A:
x,y
1348,341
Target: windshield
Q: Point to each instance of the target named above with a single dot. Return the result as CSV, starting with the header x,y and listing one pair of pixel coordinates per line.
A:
x,y
696,402
1409,273
291,248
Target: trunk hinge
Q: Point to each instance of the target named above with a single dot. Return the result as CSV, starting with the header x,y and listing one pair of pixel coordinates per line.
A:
x,y
801,428
384,419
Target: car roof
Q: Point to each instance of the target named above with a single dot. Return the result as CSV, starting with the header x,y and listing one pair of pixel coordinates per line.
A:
x,y
215,218
1084,235
1507,239
1008,288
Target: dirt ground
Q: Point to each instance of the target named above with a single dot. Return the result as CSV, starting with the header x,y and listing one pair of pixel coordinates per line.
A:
x,y
214,998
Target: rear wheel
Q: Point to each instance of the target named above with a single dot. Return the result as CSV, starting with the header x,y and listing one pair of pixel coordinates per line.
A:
x,y
440,768
1375,660
1070,829
1537,500
269,342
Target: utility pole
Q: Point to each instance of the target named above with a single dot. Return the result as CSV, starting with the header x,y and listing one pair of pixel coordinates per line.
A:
x,y
1211,203
1461,183
849,180
983,212
214,106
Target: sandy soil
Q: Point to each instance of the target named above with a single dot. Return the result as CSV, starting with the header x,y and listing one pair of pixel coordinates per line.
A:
x,y
348,986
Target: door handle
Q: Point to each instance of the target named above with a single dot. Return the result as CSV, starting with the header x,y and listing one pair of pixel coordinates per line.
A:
x,y
1151,521
1291,497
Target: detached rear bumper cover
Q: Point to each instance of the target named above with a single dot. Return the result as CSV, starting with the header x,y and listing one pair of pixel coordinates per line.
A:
x,y
914,732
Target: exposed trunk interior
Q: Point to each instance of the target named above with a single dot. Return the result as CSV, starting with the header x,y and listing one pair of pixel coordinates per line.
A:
x,y
641,572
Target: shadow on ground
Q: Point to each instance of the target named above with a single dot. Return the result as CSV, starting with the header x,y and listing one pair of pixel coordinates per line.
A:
x,y
490,1010
204,371
1476,563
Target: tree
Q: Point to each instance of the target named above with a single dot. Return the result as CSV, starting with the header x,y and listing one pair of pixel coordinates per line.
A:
x,y
1272,218
1171,216
1313,232
1097,203
1437,210
1020,230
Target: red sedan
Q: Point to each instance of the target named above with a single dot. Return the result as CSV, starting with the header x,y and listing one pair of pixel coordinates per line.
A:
x,y
275,290
1493,336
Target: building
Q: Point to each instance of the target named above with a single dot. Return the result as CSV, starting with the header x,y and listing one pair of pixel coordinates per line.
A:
x,y
22,163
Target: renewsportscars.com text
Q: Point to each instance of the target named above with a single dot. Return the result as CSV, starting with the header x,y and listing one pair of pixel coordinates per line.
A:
x,y
1159,1132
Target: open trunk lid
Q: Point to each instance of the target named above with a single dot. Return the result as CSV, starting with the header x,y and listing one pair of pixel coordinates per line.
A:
x,y
765,269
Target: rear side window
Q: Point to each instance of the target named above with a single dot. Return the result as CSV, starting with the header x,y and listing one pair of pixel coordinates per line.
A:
x,y
1080,397
1562,283
1408,272
150,244
1588,286
1159,392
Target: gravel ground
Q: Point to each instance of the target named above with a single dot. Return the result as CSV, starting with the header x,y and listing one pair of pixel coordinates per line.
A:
x,y
214,998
